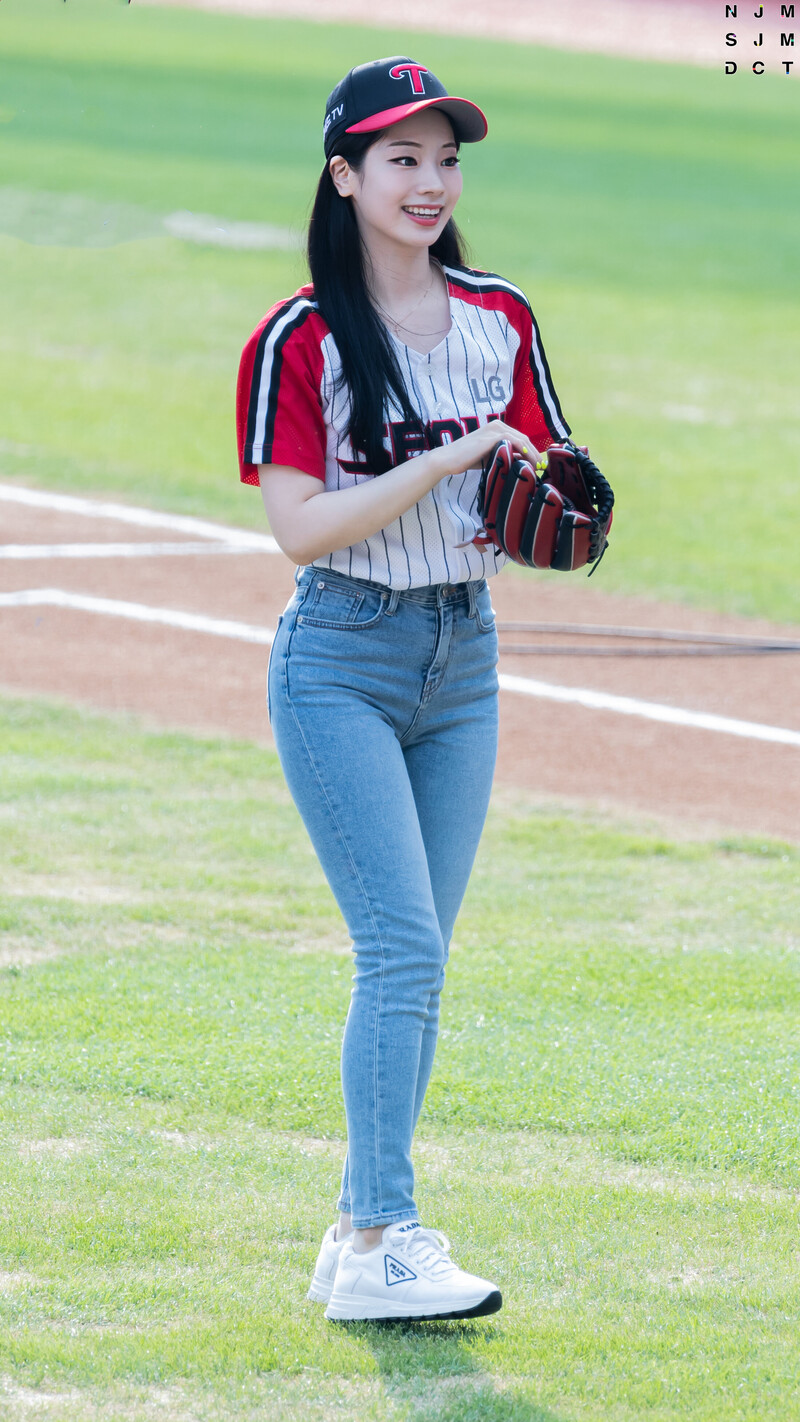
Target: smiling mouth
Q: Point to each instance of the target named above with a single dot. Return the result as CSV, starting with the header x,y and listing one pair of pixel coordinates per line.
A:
x,y
432,214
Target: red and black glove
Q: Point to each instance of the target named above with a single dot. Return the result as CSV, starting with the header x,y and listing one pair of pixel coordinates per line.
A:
x,y
559,520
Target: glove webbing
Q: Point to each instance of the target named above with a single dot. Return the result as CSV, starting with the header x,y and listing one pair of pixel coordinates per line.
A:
x,y
559,521
599,500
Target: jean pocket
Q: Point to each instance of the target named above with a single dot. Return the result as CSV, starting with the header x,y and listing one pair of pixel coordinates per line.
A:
x,y
484,612
329,603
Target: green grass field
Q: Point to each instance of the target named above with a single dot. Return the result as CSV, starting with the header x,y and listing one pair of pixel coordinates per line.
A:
x,y
611,1129
650,211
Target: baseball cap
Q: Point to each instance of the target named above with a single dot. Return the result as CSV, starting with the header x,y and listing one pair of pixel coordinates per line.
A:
x,y
386,91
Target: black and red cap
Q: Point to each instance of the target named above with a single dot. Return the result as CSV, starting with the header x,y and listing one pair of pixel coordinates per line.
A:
x,y
386,91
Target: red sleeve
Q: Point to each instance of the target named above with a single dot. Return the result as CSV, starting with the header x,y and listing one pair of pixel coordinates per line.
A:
x,y
279,416
534,407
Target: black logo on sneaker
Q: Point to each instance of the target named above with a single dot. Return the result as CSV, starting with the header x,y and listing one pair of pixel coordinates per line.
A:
x,y
412,1224
397,1273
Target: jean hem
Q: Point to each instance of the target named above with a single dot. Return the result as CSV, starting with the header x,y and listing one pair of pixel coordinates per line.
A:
x,y
372,1222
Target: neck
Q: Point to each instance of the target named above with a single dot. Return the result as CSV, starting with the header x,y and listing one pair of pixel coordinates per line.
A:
x,y
395,277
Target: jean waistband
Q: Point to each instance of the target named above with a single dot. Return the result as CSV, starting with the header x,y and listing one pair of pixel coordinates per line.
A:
x,y
432,595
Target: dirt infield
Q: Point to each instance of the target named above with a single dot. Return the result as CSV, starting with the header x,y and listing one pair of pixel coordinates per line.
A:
x,y
209,676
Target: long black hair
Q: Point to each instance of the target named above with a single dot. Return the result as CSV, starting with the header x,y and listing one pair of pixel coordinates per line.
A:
x,y
336,259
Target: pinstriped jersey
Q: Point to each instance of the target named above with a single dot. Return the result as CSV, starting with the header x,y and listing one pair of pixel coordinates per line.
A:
x,y
293,409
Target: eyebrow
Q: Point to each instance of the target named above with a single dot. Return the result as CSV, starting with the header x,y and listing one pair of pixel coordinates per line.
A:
x,y
409,143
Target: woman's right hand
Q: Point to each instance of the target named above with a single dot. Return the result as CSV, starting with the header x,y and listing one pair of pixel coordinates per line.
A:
x,y
471,450
310,521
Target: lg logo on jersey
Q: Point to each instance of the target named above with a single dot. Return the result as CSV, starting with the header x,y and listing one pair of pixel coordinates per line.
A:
x,y
493,393
414,72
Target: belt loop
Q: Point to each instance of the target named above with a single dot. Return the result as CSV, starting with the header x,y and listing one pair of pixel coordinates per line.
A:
x,y
394,598
473,606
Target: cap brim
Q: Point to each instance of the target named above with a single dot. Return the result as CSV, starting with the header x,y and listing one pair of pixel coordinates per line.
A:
x,y
469,122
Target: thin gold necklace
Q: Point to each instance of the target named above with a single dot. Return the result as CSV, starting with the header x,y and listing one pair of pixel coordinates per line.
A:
x,y
401,325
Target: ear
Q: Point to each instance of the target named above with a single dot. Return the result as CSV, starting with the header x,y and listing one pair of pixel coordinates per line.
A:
x,y
342,175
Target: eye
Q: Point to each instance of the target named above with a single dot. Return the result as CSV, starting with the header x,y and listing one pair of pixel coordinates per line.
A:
x,y
407,160
450,162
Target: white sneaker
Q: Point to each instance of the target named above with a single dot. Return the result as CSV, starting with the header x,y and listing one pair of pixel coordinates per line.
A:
x,y
325,1268
409,1275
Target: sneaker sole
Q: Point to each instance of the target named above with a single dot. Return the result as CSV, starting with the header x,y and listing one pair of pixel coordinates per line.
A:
x,y
355,1309
321,1290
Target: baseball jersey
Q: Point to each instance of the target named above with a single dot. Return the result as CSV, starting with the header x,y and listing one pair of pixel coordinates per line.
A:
x,y
293,409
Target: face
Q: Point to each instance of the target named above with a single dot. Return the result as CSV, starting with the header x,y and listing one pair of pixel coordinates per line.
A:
x,y
408,184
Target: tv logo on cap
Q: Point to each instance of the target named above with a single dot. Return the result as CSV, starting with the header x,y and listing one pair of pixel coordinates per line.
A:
x,y
414,72
331,118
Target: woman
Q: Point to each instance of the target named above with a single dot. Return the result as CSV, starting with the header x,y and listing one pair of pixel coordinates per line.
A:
x,y
367,403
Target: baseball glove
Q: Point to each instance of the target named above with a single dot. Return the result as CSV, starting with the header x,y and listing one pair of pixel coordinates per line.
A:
x,y
559,520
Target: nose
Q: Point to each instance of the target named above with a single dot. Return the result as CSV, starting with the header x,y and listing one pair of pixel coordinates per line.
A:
x,y
429,179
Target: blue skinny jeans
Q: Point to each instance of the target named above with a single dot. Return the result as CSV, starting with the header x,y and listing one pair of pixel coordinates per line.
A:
x,y
383,705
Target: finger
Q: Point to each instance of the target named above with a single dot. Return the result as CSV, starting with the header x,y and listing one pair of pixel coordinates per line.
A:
x,y
527,449
521,442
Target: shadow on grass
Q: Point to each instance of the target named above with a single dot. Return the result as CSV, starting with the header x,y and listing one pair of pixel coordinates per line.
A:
x,y
433,1370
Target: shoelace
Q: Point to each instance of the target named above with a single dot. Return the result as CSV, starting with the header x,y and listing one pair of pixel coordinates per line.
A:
x,y
429,1249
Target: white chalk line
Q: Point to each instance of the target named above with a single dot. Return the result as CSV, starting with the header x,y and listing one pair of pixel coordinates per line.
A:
x,y
74,220
141,518
650,710
211,231
139,612
525,686
24,552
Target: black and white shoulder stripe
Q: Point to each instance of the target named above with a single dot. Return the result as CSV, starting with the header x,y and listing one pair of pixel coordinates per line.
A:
x,y
488,284
266,378
484,282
